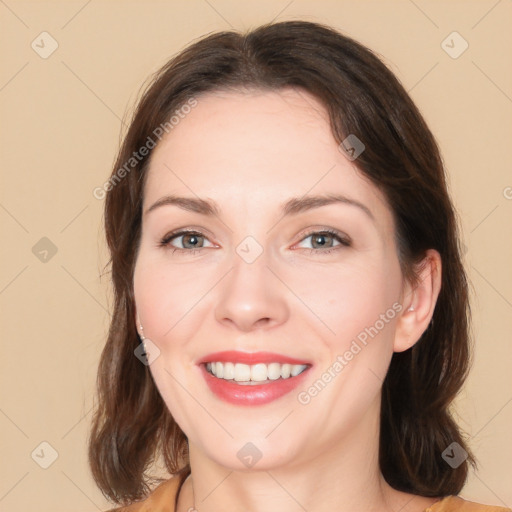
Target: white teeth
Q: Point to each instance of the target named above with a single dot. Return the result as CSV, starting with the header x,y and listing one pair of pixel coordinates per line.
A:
x,y
242,372
286,371
296,369
274,371
219,370
229,371
259,372
254,373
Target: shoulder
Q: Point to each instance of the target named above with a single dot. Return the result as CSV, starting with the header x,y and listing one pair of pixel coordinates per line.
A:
x,y
162,498
459,504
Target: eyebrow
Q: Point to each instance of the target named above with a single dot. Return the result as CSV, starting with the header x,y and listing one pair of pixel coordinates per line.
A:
x,y
293,206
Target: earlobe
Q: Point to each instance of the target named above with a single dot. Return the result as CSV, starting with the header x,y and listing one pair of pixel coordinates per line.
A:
x,y
138,324
419,302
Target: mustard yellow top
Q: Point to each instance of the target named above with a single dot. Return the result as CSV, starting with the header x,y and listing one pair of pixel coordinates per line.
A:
x,y
164,497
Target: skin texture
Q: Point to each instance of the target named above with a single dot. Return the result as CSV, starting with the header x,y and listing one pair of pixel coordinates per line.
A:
x,y
250,152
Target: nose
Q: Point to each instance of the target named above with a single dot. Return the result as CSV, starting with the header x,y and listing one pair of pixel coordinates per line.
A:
x,y
251,296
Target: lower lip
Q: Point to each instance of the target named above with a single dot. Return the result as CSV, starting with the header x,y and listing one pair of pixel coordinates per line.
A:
x,y
257,394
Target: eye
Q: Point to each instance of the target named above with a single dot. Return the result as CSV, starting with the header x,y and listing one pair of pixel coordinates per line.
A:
x,y
192,241
320,239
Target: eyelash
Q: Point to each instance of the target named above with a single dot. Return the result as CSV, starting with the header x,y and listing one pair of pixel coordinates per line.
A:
x,y
344,242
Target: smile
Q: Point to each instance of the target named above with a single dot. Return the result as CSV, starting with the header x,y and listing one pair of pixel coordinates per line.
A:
x,y
248,392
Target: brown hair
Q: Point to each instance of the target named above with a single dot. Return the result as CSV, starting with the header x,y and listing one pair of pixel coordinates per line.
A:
x,y
132,425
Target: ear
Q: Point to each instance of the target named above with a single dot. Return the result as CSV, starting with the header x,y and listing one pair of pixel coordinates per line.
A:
x,y
418,301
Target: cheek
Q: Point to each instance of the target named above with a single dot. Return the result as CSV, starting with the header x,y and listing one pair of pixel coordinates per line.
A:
x,y
361,311
149,291
359,305
164,294
349,299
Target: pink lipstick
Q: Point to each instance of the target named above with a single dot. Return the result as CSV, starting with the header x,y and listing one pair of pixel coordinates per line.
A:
x,y
276,375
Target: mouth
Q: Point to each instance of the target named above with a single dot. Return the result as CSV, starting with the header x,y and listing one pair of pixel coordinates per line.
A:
x,y
243,378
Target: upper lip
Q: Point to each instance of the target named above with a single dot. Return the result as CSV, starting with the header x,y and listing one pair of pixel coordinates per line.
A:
x,y
250,358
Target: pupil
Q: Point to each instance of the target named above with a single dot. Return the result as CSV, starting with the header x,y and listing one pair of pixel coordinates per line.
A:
x,y
193,237
320,237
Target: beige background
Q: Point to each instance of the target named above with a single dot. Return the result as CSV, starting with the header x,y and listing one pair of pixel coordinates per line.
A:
x,y
60,132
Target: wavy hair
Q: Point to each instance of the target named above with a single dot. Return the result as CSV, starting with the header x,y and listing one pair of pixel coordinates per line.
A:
x,y
131,425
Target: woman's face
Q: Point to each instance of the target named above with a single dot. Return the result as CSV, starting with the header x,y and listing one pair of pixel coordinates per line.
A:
x,y
262,277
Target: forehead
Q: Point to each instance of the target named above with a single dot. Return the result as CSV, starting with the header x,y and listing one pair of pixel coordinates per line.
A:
x,y
240,147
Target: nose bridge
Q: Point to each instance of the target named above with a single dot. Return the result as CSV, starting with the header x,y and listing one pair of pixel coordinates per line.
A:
x,y
250,276
250,263
250,292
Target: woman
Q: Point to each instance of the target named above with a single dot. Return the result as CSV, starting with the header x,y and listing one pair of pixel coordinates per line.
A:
x,y
283,243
